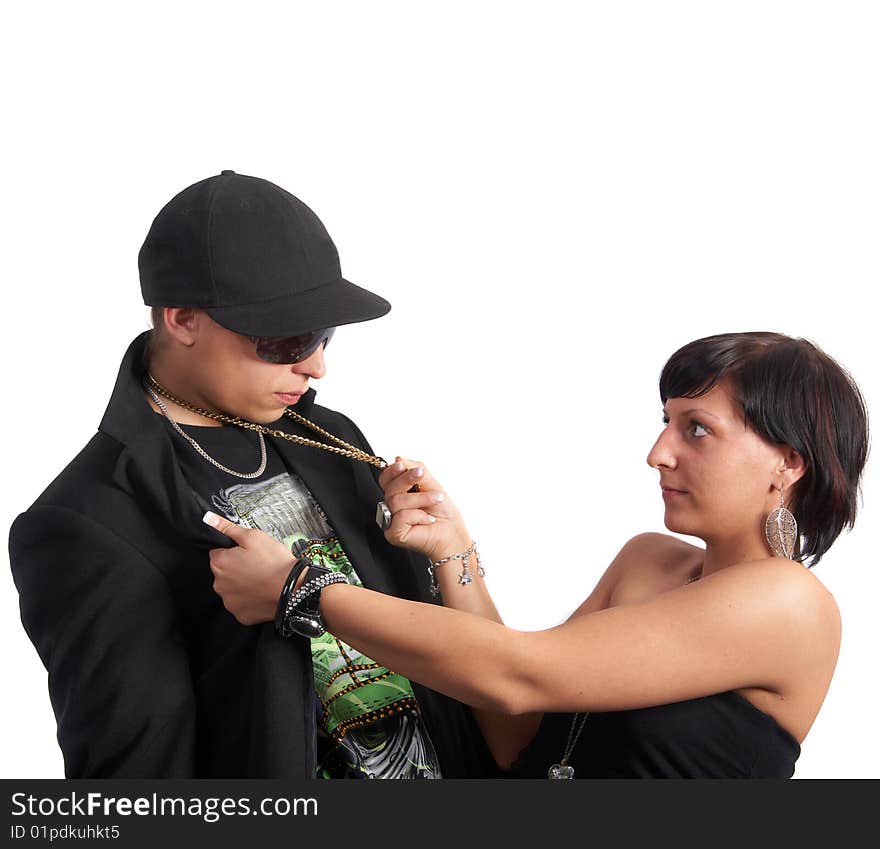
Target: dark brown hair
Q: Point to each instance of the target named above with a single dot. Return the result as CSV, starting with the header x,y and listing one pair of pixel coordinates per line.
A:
x,y
792,393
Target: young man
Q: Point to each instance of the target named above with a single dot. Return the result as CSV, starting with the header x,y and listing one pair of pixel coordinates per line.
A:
x,y
149,675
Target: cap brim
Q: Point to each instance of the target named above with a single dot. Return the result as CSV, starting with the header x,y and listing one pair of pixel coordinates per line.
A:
x,y
330,305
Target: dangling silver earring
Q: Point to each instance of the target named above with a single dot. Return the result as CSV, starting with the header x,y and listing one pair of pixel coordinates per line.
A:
x,y
781,530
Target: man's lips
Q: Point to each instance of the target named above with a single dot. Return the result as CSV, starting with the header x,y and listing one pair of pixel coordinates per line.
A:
x,y
669,491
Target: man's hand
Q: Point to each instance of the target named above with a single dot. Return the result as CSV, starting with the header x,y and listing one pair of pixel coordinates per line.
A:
x,y
248,577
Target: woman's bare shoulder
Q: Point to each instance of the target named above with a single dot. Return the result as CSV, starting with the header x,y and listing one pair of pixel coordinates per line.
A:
x,y
788,584
661,556
801,621
662,548
653,563
644,563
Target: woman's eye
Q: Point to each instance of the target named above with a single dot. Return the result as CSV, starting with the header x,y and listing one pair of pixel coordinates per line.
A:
x,y
698,430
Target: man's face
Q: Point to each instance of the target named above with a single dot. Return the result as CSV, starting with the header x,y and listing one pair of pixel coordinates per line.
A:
x,y
235,380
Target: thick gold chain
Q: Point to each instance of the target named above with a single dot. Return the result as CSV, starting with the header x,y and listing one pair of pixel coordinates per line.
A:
x,y
348,450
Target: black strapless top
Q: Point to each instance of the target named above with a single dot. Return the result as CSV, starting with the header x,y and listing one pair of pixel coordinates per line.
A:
x,y
718,736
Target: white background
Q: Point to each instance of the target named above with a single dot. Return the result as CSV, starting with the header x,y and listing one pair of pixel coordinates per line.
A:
x,y
554,197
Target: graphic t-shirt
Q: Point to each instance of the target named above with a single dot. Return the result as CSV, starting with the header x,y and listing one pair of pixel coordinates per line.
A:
x,y
368,719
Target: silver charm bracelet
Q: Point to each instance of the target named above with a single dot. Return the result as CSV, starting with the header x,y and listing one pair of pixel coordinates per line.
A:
x,y
465,577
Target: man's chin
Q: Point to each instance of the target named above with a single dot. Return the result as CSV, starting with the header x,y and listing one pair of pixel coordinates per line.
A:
x,y
267,416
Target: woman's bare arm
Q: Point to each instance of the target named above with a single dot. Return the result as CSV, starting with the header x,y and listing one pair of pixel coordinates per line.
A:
x,y
766,624
755,624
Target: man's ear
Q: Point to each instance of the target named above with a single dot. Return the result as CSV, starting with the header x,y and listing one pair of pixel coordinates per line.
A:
x,y
182,323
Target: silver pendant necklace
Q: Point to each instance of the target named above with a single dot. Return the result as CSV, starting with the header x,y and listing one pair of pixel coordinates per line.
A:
x,y
563,770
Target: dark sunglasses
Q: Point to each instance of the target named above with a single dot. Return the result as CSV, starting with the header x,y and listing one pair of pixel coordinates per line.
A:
x,y
291,349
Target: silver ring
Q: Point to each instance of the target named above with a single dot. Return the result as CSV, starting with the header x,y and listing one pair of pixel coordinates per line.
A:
x,y
383,516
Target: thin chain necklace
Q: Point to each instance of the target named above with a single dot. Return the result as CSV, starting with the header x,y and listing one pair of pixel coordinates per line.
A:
x,y
205,454
347,449
563,769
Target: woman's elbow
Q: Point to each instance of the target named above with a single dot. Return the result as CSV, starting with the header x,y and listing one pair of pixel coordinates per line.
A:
x,y
511,696
515,690
521,702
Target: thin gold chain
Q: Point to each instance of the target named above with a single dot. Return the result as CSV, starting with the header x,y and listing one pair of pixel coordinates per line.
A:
x,y
348,450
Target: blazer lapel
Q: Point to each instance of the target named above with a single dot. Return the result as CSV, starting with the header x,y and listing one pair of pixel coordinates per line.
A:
x,y
147,467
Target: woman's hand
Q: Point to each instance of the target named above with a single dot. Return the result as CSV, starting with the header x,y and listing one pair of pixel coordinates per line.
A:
x,y
426,521
250,576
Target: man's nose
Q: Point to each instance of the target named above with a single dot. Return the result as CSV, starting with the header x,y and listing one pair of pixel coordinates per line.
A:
x,y
313,365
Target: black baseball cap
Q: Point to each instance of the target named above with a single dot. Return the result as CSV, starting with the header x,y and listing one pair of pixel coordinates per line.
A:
x,y
253,257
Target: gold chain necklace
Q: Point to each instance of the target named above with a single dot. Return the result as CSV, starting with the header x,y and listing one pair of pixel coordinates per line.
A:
x,y
347,449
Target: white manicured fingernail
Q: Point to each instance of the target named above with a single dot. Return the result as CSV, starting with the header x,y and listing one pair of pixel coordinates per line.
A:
x,y
438,497
211,519
418,471
432,519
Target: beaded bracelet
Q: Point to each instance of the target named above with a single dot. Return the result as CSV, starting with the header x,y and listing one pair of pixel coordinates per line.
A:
x,y
301,613
298,611
465,576
315,585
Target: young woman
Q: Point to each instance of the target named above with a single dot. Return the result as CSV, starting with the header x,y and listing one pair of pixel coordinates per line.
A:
x,y
683,661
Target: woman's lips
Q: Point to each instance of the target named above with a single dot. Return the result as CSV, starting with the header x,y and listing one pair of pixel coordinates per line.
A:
x,y
669,492
289,397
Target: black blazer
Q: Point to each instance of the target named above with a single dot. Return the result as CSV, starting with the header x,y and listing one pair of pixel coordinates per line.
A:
x,y
149,675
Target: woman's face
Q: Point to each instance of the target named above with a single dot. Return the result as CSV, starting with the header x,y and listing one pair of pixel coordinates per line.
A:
x,y
719,479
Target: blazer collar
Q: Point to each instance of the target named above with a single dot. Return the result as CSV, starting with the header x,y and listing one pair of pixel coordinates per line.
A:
x,y
129,418
147,468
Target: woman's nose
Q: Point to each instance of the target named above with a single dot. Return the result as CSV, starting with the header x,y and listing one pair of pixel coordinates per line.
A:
x,y
662,454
